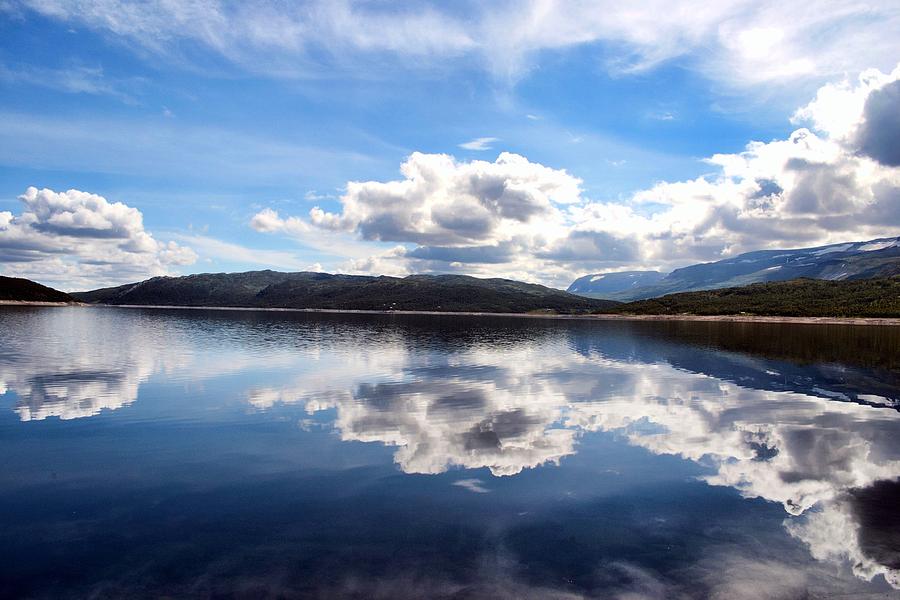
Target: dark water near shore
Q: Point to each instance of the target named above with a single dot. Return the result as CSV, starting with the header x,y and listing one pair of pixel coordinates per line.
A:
x,y
153,453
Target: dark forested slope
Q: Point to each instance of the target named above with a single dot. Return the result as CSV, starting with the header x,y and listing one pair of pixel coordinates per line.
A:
x,y
25,290
270,289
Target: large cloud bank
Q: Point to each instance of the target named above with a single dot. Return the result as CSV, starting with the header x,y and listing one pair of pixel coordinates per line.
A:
x,y
78,240
835,179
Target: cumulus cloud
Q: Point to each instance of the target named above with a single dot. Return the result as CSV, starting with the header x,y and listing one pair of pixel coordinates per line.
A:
x,y
832,181
79,240
268,221
442,201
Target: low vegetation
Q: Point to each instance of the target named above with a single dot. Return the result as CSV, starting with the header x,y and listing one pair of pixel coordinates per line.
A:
x,y
795,298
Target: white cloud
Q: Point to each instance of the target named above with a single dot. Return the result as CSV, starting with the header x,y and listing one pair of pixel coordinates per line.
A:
x,y
482,210
479,144
329,241
736,41
444,201
289,36
838,108
78,240
473,485
516,218
268,221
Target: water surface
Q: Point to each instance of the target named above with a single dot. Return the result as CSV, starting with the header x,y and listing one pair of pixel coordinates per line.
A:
x,y
156,452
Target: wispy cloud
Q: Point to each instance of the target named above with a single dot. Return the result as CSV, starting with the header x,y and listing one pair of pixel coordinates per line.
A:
x,y
479,144
76,79
473,485
209,247
734,42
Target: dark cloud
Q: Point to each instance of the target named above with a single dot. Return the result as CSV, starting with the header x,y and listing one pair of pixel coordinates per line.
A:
x,y
886,208
821,188
82,232
471,254
509,203
875,508
597,246
879,135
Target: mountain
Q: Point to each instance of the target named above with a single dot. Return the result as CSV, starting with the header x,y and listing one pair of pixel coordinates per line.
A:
x,y
877,297
270,289
25,290
600,285
848,261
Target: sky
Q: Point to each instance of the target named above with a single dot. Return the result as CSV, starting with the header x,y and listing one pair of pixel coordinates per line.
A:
x,y
537,140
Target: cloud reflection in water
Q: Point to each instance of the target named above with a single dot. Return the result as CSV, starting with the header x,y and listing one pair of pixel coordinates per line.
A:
x,y
520,408
818,438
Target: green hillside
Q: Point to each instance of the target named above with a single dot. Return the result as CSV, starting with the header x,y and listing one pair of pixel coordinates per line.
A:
x,y
795,298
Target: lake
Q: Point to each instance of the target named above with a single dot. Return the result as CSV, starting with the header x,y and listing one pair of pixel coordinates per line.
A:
x,y
157,452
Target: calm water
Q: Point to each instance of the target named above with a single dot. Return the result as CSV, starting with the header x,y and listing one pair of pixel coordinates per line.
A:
x,y
150,453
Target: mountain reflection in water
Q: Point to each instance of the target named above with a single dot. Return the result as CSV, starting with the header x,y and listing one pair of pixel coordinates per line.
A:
x,y
804,417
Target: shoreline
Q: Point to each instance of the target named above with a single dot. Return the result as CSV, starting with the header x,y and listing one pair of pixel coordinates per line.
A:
x,y
39,303
868,321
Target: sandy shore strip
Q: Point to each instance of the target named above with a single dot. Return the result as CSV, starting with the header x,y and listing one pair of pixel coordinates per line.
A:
x,y
883,321
39,303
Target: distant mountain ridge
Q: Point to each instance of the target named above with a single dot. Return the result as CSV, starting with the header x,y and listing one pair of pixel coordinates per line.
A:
x,y
596,285
24,290
846,261
271,289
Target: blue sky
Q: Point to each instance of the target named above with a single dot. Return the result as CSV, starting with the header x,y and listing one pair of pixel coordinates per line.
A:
x,y
204,136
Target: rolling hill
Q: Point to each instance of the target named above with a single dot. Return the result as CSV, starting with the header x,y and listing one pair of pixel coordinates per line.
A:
x,y
25,290
270,289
